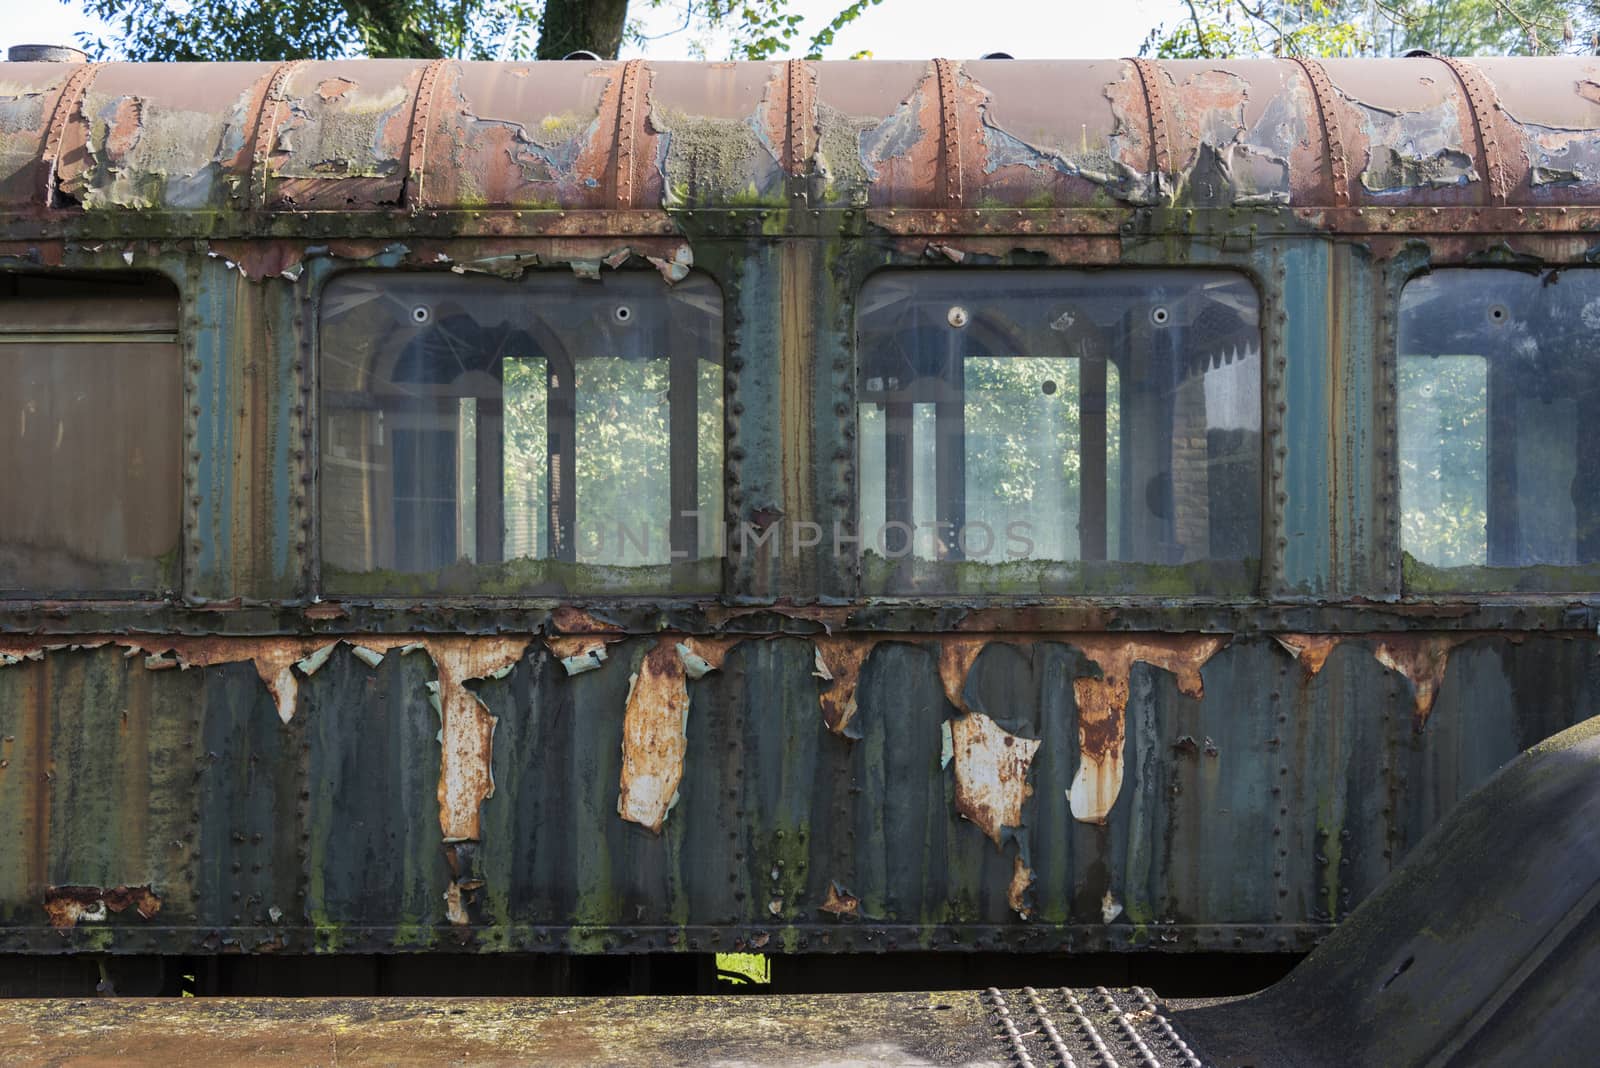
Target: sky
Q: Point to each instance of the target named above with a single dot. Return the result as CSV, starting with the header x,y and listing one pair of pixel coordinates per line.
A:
x,y
896,29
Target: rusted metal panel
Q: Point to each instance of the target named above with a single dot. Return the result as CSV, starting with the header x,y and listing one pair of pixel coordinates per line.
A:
x,y
724,132
1026,146
1412,136
30,95
1548,116
402,139
341,135
178,142
1263,802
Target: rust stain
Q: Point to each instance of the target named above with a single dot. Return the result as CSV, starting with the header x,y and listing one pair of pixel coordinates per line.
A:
x,y
839,663
334,88
569,620
1421,660
654,725
1103,704
841,902
1312,650
67,906
1019,889
991,769
956,657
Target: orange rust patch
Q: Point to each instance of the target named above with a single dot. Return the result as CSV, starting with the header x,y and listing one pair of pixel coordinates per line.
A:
x,y
67,906
956,657
1421,660
334,88
654,725
570,620
1103,704
841,902
1021,885
1311,650
839,663
991,768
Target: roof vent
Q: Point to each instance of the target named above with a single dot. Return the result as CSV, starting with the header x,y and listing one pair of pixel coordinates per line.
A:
x,y
36,53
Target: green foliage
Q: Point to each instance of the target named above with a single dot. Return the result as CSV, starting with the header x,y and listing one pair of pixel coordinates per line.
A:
x,y
220,30
217,30
1221,28
1444,471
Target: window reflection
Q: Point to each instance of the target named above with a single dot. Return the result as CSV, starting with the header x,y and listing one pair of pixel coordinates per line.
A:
x,y
1059,431
1494,378
546,436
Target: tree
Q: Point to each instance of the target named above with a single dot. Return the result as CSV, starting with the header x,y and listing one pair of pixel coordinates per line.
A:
x,y
154,30
1220,28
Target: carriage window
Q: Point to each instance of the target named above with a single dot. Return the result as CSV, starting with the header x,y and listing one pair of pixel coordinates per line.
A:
x,y
1497,378
543,436
91,397
1059,432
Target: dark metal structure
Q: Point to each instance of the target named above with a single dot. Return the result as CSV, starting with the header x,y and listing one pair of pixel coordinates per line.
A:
x,y
222,746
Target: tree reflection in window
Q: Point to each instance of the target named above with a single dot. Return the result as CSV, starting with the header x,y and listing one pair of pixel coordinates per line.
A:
x,y
1058,431
1496,383
552,435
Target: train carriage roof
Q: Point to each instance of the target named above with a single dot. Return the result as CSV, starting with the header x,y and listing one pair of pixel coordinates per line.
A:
x,y
411,135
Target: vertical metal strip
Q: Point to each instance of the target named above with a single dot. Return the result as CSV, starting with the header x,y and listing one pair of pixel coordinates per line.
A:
x,y
1160,146
1322,94
266,131
798,147
950,134
417,142
627,131
67,104
1483,103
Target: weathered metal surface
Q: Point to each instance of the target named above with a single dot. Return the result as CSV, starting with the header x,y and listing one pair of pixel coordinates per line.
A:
x,y
1033,773
488,140
755,743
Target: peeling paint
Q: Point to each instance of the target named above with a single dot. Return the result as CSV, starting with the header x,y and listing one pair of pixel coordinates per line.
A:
x,y
1110,907
1421,660
839,662
1020,888
1312,650
68,906
991,769
840,902
579,654
655,723
1103,704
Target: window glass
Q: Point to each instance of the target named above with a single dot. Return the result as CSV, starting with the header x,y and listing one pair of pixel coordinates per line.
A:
x,y
91,398
1059,432
548,435
1497,486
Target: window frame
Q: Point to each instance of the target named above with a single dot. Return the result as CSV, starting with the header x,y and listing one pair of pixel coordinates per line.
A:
x,y
318,581
1264,579
1410,268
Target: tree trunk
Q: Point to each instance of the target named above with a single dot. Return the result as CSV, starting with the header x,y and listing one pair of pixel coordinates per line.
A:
x,y
582,25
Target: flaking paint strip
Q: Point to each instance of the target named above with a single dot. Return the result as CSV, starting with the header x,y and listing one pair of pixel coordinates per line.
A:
x,y
655,725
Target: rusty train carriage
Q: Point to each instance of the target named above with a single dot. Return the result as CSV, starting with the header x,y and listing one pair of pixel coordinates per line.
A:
x,y
790,765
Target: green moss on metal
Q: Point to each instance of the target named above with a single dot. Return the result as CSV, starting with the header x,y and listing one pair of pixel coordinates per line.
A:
x,y
527,577
915,575
1418,578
